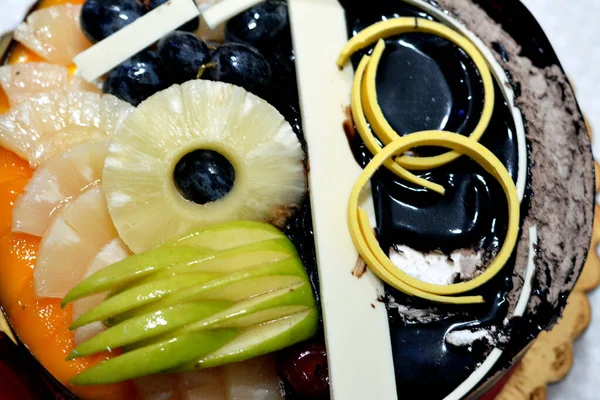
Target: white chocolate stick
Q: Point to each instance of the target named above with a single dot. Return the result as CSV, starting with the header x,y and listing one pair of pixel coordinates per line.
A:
x,y
225,9
135,37
356,324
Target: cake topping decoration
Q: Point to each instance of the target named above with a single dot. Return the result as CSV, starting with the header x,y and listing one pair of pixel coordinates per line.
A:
x,y
233,300
133,38
364,95
154,157
376,33
366,242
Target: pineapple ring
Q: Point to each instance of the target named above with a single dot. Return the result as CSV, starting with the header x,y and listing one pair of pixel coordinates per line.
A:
x,y
145,204
367,244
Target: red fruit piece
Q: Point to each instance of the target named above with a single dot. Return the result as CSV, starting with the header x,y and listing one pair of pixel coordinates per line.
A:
x,y
304,367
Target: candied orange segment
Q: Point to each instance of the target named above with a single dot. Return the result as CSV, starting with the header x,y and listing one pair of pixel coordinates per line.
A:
x,y
44,327
12,167
51,3
4,104
21,54
9,191
17,260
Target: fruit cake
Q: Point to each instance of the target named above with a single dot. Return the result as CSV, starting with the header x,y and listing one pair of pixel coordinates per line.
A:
x,y
284,199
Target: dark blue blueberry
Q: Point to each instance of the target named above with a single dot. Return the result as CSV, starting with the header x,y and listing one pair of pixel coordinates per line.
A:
x,y
203,176
102,18
241,65
190,26
284,93
263,26
182,54
137,78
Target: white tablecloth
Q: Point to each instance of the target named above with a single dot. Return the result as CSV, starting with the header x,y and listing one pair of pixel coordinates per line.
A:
x,y
574,29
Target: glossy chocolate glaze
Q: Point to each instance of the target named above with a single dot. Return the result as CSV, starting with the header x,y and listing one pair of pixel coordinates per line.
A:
x,y
426,82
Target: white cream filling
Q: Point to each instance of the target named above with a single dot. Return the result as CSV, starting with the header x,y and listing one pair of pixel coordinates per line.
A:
x,y
440,269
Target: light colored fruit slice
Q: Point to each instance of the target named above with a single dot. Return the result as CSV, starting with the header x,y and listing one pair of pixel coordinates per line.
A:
x,y
78,83
56,182
113,252
24,80
255,378
20,81
47,124
252,379
54,33
157,387
198,385
267,157
206,384
74,238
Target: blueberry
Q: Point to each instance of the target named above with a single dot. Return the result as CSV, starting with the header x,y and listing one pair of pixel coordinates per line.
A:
x,y
203,176
102,18
190,26
283,71
182,54
241,65
262,26
304,368
137,78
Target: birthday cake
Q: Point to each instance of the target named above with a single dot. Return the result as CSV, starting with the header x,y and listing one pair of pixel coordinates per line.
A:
x,y
286,200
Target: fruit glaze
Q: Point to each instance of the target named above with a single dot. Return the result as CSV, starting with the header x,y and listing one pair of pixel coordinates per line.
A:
x,y
173,229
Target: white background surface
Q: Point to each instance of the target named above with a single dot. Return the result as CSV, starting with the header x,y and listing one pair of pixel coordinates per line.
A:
x,y
573,27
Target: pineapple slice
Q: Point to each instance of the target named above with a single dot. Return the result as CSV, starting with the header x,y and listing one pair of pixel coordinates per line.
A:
x,y
54,183
20,81
146,206
113,252
198,385
47,124
54,33
251,379
74,238
23,80
255,378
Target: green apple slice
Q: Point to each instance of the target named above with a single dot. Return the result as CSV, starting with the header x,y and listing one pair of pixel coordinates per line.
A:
x,y
140,295
297,295
261,339
267,307
156,358
131,269
233,287
148,325
214,238
233,292
232,260
229,234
